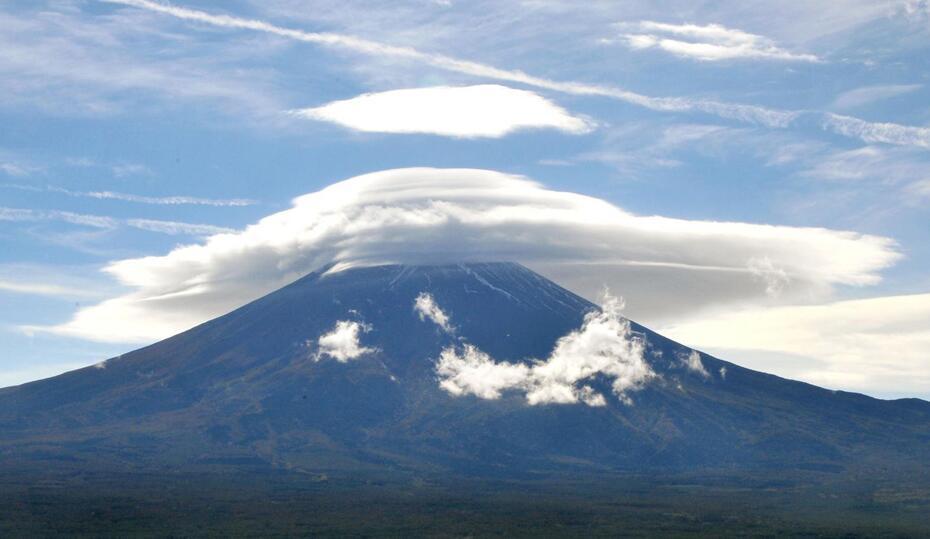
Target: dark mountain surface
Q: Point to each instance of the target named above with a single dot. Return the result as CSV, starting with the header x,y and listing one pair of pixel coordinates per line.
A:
x,y
244,392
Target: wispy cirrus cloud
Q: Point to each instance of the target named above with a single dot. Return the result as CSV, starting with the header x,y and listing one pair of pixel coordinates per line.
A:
x,y
142,199
889,133
487,110
709,43
104,222
869,94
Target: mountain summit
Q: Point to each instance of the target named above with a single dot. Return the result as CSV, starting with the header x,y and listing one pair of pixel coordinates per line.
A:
x,y
478,369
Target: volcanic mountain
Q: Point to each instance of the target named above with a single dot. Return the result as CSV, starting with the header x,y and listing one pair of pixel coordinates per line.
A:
x,y
471,369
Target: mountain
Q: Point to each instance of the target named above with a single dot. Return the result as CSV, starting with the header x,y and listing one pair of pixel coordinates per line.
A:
x,y
264,389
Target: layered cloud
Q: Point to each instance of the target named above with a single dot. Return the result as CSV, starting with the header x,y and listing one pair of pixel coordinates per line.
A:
x,y
667,269
487,110
604,346
877,344
343,343
712,42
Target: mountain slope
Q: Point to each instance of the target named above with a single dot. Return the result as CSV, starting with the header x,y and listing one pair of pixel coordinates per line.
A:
x,y
251,389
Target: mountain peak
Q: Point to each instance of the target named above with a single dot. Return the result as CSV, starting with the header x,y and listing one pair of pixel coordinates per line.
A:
x,y
445,366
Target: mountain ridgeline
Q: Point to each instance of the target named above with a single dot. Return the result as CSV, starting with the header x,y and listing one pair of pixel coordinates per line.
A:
x,y
336,374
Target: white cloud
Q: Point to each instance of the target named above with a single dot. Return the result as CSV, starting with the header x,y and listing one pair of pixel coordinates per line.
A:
x,y
869,94
883,132
176,228
342,343
14,169
427,308
920,188
712,42
472,372
899,172
123,170
25,215
603,346
487,110
103,222
877,345
142,199
852,127
693,363
666,268
44,289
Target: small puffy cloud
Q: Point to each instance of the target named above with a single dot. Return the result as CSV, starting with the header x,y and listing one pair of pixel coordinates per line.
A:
x,y
342,343
666,268
710,43
487,110
427,309
693,363
603,346
473,372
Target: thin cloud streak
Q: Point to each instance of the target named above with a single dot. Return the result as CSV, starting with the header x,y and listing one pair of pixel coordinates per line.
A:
x,y
847,126
103,222
710,43
142,199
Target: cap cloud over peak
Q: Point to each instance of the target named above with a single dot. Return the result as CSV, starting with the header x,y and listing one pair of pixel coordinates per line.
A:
x,y
427,215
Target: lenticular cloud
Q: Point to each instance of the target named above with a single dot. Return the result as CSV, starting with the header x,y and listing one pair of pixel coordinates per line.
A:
x,y
665,268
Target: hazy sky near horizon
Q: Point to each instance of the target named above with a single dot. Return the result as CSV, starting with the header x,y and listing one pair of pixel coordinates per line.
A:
x,y
753,177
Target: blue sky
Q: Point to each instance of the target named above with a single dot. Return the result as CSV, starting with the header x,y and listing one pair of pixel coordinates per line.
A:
x,y
132,128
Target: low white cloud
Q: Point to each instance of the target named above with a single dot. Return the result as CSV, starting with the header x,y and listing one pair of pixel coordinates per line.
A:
x,y
604,346
427,309
487,110
473,372
666,268
693,363
879,345
712,42
342,343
